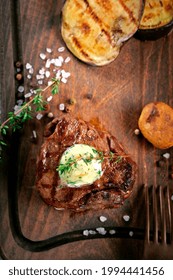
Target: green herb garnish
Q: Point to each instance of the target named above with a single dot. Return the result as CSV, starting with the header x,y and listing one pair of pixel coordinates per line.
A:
x,y
16,119
72,162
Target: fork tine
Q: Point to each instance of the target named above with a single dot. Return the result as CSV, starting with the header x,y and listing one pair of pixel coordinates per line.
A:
x,y
159,231
163,214
147,214
158,215
169,213
155,214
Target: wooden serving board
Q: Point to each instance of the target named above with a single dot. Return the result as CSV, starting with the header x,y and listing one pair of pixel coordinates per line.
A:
x,y
111,96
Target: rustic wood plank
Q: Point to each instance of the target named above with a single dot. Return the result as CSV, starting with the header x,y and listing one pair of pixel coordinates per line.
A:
x,y
142,73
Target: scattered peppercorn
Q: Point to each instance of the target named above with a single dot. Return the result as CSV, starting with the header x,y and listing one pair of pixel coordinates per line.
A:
x,y
19,64
67,109
89,96
19,77
72,101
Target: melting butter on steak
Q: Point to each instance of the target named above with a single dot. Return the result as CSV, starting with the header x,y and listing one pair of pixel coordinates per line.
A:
x,y
94,30
108,191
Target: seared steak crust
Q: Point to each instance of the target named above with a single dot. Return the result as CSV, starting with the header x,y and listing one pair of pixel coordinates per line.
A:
x,y
114,186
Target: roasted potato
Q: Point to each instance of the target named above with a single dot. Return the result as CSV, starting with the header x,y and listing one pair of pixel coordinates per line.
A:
x,y
156,124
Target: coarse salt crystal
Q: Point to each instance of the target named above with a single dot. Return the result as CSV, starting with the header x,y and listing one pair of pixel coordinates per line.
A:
x,y
52,61
21,88
40,82
57,62
42,56
50,115
92,231
29,76
101,230
86,232
31,70
67,59
63,80
131,233
16,108
31,90
27,95
34,134
49,98
49,83
48,50
65,74
62,71
39,77
61,58
48,63
102,219
61,107
47,74
19,102
42,71
166,155
28,66
39,116
58,74
126,218
61,49
112,231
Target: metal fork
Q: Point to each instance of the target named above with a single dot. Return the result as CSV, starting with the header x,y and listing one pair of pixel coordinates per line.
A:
x,y
159,231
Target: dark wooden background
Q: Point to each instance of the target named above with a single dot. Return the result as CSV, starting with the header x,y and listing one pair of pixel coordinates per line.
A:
x,y
142,73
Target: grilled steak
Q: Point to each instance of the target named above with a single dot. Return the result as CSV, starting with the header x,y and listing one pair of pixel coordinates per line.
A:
x,y
94,30
108,191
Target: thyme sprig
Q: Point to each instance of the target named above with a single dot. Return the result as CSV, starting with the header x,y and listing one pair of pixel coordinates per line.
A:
x,y
72,161
16,119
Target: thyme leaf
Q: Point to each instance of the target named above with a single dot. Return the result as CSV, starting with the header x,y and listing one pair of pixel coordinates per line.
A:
x,y
72,162
16,119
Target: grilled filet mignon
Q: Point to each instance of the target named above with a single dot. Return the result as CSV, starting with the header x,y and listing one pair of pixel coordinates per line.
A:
x,y
94,30
108,191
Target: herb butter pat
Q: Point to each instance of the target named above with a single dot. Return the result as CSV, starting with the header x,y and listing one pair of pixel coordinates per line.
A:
x,y
80,165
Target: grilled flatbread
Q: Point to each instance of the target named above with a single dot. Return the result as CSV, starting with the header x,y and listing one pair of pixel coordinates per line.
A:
x,y
94,30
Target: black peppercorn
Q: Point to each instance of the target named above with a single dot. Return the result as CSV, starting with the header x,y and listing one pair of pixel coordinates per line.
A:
x,y
67,109
89,96
19,64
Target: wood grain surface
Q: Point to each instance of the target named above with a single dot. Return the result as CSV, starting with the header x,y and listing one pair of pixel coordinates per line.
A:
x,y
142,73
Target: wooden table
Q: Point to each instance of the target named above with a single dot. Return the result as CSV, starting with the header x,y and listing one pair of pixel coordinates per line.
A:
x,y
112,96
